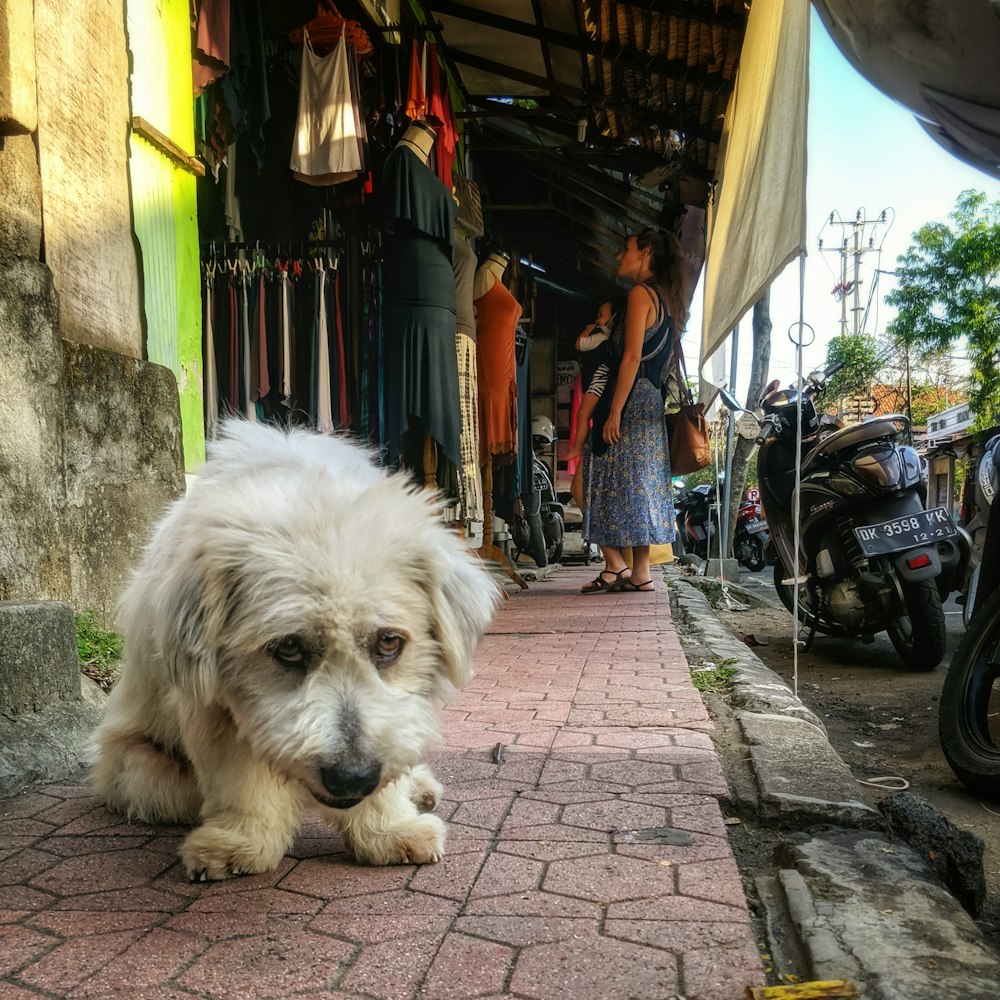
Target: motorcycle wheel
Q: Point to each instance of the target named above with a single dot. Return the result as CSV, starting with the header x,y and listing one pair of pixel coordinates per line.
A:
x,y
754,552
536,541
919,636
556,552
963,720
806,618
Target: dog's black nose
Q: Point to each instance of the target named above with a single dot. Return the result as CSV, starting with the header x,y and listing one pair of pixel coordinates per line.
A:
x,y
348,784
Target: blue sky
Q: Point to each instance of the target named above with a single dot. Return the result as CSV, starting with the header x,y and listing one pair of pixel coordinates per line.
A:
x,y
866,152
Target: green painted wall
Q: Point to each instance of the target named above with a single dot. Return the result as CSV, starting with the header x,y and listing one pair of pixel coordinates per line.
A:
x,y
164,203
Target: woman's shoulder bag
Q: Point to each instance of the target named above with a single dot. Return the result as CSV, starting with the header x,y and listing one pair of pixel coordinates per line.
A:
x,y
687,430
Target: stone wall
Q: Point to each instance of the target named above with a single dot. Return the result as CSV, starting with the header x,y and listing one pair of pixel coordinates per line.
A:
x,y
83,123
89,457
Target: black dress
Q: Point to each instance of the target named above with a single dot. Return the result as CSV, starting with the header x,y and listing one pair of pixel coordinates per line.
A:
x,y
421,365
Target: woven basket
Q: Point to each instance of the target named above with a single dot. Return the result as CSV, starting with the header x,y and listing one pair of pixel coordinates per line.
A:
x,y
470,207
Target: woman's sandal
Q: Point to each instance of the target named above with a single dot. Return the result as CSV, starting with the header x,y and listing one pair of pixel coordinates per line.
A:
x,y
600,586
628,587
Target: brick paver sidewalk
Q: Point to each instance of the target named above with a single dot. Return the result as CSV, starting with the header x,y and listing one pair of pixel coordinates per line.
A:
x,y
590,863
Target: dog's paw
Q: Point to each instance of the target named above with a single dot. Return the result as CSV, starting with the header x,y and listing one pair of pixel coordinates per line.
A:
x,y
420,842
425,790
213,853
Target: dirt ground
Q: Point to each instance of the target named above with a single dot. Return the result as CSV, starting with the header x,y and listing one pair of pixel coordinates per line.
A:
x,y
881,718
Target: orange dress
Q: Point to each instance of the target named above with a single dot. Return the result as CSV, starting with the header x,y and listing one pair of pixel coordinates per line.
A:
x,y
497,313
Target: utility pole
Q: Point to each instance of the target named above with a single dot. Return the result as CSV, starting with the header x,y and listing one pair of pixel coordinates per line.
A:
x,y
852,247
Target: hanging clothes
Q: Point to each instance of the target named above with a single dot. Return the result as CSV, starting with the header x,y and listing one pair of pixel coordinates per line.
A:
x,y
416,96
327,145
420,362
497,313
441,115
470,484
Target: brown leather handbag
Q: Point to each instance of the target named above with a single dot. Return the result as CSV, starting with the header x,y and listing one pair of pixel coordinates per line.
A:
x,y
687,430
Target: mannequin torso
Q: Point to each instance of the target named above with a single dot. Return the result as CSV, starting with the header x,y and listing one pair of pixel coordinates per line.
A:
x,y
489,273
419,139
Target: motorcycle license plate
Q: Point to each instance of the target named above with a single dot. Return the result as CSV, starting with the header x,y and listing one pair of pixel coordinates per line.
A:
x,y
754,526
899,533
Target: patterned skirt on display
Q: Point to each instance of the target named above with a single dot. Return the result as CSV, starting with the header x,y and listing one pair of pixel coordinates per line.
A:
x,y
628,498
470,484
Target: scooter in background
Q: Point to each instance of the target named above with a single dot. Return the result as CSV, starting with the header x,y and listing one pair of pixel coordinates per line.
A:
x,y
751,535
870,557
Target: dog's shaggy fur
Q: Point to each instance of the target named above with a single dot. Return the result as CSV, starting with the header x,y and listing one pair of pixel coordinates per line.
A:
x,y
288,633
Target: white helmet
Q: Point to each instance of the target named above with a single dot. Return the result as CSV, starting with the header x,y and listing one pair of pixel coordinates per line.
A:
x,y
542,427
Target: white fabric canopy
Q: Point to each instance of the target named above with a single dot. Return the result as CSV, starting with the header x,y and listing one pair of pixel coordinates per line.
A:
x,y
758,215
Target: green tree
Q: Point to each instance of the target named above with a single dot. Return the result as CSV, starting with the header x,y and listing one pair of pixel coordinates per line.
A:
x,y
862,362
948,289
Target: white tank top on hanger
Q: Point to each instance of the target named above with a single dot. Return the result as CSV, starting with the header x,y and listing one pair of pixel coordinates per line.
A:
x,y
325,149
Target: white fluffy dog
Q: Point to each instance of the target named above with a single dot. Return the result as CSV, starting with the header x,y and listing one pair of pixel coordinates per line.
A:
x,y
292,625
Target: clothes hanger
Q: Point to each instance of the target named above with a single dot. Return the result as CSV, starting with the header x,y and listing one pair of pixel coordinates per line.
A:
x,y
327,28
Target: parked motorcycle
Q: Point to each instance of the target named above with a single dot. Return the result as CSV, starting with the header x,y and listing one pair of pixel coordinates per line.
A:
x,y
969,714
986,486
871,558
751,535
697,521
538,525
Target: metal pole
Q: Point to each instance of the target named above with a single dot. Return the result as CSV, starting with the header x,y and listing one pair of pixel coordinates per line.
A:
x,y
858,229
730,428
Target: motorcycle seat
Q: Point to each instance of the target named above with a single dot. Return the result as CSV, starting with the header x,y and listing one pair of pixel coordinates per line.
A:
x,y
872,429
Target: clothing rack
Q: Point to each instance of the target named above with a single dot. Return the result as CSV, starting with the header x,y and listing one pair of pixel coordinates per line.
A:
x,y
215,249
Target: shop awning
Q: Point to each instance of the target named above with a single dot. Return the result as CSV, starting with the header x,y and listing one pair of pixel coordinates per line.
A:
x,y
757,219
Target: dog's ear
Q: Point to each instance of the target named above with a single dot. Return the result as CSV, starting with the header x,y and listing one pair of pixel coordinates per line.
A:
x,y
463,601
195,612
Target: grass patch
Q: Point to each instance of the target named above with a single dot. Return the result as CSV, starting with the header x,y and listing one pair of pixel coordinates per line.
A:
x,y
98,648
714,679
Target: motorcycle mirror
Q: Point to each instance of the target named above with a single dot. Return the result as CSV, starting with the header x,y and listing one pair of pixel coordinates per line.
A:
x,y
730,401
772,386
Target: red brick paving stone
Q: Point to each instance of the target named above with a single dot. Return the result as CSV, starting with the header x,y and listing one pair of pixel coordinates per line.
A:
x,y
140,898
102,872
483,813
13,916
721,973
369,930
73,924
23,898
68,810
613,815
594,968
454,875
9,992
327,879
467,967
266,900
22,945
25,865
704,848
710,880
392,970
503,874
610,879
11,845
676,909
267,966
532,904
218,926
519,932
680,936
24,827
70,963
554,850
73,846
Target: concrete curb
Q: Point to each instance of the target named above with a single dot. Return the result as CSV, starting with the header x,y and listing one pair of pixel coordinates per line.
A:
x,y
845,899
798,777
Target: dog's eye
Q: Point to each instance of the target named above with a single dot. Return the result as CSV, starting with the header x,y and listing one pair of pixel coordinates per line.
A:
x,y
288,651
388,645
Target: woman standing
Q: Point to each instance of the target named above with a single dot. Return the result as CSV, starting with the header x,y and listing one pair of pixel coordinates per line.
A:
x,y
629,496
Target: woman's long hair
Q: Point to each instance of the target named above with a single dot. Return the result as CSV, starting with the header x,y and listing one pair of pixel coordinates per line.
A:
x,y
670,272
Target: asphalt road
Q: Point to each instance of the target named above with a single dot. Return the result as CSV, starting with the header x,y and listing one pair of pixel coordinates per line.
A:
x,y
881,717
